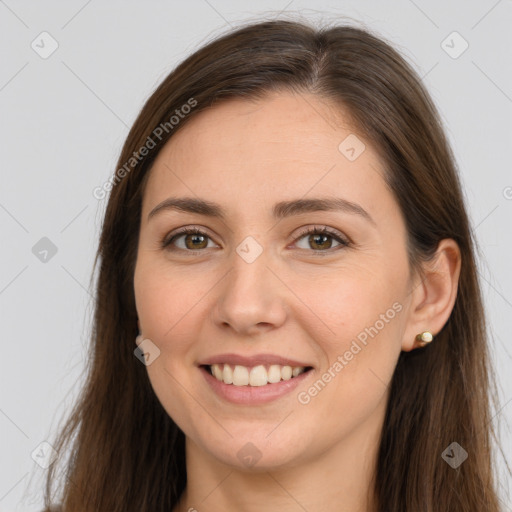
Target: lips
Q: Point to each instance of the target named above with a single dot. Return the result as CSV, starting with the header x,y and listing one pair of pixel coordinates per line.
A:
x,y
251,361
249,395
253,380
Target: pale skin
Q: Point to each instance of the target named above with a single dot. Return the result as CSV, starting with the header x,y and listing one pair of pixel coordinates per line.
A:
x,y
246,156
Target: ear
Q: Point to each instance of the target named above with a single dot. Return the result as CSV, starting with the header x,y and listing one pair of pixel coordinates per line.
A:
x,y
433,294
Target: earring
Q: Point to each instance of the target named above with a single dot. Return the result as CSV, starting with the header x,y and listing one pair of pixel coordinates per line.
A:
x,y
424,338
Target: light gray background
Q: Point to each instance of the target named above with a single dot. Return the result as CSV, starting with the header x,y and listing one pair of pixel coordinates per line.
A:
x,y
64,119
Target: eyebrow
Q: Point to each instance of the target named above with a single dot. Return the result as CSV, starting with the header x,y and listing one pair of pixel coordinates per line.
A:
x,y
280,210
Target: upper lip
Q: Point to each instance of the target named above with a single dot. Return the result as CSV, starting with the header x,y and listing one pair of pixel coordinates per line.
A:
x,y
250,361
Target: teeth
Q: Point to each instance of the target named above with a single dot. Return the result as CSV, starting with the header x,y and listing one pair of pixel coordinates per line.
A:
x,y
227,374
286,372
217,372
297,371
258,376
240,376
255,376
274,373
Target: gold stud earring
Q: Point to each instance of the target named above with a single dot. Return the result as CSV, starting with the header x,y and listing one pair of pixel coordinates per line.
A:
x,y
424,338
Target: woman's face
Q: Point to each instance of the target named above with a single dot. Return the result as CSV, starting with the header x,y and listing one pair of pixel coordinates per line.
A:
x,y
254,290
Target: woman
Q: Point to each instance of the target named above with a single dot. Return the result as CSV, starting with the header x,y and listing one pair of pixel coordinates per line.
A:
x,y
288,313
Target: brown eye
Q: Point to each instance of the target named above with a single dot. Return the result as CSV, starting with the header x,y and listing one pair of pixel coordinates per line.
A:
x,y
194,240
321,240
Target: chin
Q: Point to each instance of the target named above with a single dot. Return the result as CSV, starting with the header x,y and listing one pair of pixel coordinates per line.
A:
x,y
255,450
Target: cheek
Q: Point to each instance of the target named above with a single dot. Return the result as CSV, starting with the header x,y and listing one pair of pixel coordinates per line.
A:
x,y
166,318
171,310
345,302
165,302
359,324
355,383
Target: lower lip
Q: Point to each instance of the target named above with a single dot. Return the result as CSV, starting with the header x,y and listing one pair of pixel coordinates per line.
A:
x,y
252,395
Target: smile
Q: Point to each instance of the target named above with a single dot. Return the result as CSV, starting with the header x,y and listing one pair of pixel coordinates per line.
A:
x,y
260,375
261,390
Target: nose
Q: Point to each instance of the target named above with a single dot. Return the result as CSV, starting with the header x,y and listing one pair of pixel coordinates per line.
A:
x,y
251,298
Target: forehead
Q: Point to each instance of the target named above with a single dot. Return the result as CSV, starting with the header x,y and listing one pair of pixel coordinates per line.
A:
x,y
244,154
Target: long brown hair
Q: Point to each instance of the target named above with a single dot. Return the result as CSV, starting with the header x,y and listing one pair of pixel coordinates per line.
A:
x,y
125,452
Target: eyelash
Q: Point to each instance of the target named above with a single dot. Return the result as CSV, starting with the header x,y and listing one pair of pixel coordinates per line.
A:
x,y
167,241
